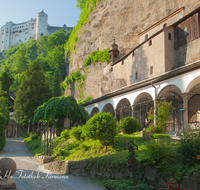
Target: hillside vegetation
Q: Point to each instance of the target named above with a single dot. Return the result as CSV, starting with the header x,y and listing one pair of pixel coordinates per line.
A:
x,y
48,51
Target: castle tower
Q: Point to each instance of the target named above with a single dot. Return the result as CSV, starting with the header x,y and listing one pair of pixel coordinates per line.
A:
x,y
114,52
41,24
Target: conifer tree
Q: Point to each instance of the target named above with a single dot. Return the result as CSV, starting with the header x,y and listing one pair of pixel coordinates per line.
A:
x,y
32,92
5,83
56,84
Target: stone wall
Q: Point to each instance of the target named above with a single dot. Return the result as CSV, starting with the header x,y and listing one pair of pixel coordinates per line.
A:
x,y
151,175
187,53
125,20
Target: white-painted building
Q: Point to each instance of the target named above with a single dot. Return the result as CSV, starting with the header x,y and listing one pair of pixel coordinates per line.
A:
x,y
12,34
165,66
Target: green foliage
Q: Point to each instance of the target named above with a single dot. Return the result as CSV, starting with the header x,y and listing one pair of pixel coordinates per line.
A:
x,y
130,125
33,146
86,6
102,56
75,76
76,132
88,98
189,148
65,134
56,84
2,131
58,108
159,136
80,4
87,61
119,127
101,126
158,152
33,92
163,113
48,50
5,83
125,185
34,136
25,135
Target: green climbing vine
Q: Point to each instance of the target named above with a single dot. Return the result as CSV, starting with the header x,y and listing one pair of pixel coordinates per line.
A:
x,y
84,18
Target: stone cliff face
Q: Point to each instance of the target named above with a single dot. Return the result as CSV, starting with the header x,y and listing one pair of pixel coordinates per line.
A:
x,y
124,20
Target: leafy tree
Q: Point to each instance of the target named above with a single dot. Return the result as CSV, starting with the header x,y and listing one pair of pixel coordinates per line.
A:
x,y
33,92
163,113
57,108
56,90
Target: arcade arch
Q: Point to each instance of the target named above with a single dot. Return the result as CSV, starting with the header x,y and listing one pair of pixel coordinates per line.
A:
x,y
123,109
108,108
143,103
173,94
94,111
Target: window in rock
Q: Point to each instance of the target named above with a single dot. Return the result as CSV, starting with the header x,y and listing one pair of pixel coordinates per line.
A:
x,y
150,42
146,37
165,25
122,62
151,70
133,53
169,36
136,76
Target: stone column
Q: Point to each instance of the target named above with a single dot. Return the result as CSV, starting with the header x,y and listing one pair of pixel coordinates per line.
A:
x,y
115,114
154,101
185,113
132,107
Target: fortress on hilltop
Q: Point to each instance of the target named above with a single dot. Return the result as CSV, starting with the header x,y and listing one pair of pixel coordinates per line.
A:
x,y
13,34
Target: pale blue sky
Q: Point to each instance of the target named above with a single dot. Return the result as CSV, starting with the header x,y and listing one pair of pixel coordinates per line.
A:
x,y
59,11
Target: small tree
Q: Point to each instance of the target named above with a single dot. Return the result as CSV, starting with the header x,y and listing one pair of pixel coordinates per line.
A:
x,y
163,113
130,125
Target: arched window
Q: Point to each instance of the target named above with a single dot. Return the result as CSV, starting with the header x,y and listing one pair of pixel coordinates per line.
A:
x,y
151,70
169,36
136,76
146,37
165,25
150,42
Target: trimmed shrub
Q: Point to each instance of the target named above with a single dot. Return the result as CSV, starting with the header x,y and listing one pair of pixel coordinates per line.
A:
x,y
76,132
130,125
2,131
101,126
65,134
159,136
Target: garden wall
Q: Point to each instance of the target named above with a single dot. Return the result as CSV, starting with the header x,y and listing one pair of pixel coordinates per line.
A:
x,y
92,169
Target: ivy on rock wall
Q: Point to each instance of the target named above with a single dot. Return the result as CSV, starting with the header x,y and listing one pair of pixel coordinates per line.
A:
x,y
86,6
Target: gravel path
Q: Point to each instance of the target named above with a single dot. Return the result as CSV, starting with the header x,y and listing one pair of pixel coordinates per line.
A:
x,y
31,175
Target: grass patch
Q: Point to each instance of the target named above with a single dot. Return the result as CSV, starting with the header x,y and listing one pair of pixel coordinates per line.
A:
x,y
34,146
73,150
